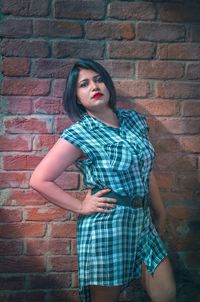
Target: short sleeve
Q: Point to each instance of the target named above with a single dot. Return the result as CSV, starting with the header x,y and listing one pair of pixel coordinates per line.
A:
x,y
74,135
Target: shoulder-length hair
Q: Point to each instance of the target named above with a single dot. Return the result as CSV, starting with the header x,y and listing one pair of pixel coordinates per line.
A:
x,y
74,109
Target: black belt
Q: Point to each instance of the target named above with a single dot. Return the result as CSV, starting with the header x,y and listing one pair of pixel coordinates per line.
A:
x,y
136,202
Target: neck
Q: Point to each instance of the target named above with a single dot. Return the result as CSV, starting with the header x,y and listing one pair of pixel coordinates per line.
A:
x,y
108,116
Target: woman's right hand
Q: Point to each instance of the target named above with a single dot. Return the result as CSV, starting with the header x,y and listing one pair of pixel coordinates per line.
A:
x,y
97,203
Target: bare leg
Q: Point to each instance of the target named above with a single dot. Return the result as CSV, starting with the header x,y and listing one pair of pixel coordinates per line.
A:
x,y
104,293
160,285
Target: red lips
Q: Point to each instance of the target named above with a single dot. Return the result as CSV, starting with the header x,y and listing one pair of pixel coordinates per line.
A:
x,y
97,95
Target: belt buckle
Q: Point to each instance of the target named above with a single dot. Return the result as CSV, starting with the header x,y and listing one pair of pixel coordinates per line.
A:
x,y
138,202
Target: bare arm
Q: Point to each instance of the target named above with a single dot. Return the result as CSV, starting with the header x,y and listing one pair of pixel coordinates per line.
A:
x,y
157,204
62,155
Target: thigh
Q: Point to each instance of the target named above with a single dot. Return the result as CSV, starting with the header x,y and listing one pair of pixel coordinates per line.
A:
x,y
160,285
105,293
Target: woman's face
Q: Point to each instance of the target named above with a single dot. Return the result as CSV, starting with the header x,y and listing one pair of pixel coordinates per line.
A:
x,y
92,93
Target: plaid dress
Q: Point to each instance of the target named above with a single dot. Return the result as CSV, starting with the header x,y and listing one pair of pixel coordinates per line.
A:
x,y
112,246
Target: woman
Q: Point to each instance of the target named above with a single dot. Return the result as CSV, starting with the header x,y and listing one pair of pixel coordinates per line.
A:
x,y
116,239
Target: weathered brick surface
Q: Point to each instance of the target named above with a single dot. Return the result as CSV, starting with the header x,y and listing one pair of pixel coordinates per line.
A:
x,y
151,50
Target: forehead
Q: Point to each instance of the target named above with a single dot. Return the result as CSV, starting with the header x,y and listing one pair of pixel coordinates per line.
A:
x,y
86,74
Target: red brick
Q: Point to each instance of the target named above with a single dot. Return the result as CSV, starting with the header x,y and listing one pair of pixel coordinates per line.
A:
x,y
25,8
21,230
52,246
176,163
25,48
21,161
62,122
194,33
190,143
25,87
191,108
48,105
179,51
129,10
11,282
160,32
23,264
177,197
10,215
63,263
16,28
28,125
14,179
193,72
57,28
44,142
157,106
15,67
74,280
11,248
58,87
174,12
50,281
182,90
15,143
17,197
132,88
24,296
63,230
74,248
188,182
44,214
160,70
178,125
19,105
79,9
119,69
109,30
78,49
51,68
68,181
131,50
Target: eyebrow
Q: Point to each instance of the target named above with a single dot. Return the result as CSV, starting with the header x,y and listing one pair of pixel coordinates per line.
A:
x,y
96,76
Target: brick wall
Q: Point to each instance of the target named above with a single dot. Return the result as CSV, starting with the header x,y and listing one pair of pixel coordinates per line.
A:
x,y
152,50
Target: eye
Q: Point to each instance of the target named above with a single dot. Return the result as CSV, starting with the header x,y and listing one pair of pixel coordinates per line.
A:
x,y
99,79
83,84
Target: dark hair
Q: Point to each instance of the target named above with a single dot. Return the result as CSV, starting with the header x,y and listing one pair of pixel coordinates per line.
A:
x,y
73,109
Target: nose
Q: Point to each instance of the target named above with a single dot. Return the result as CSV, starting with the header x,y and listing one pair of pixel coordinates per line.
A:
x,y
94,85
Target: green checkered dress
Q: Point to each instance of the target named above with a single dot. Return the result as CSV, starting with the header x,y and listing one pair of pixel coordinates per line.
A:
x,y
112,246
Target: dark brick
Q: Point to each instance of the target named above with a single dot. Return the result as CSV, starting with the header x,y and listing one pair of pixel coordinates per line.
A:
x,y
51,68
25,87
179,51
160,70
160,32
13,67
119,69
83,49
24,48
25,7
15,28
130,10
174,12
58,28
79,9
110,30
172,89
193,72
194,33
131,50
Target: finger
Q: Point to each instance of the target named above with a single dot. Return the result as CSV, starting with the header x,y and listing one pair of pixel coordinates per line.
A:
x,y
102,192
101,210
107,205
106,199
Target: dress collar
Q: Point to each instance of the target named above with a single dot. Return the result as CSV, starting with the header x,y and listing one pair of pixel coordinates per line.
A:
x,y
93,122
